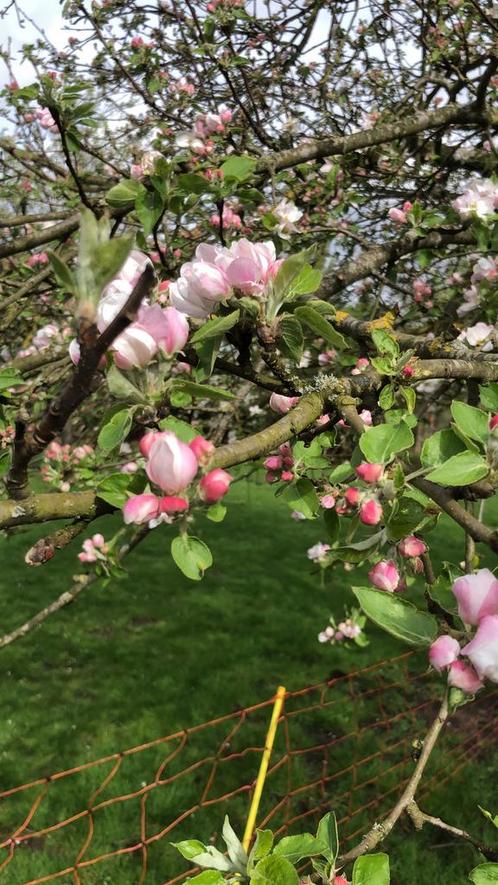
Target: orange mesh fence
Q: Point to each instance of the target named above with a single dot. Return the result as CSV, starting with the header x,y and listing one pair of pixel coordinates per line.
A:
x,y
345,744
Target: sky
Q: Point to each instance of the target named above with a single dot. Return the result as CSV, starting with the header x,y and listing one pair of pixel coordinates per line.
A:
x,y
44,12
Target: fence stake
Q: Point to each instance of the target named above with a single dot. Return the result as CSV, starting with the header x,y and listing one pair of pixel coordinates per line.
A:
x,y
263,768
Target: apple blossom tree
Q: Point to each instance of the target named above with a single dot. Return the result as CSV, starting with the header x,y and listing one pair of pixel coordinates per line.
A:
x,y
257,240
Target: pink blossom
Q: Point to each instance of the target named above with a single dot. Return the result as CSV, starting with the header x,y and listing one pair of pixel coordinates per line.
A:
x,y
171,464
167,326
327,502
370,472
366,417
287,476
229,219
478,335
370,512
464,677
477,596
480,199
412,546
318,552
130,467
385,575
202,449
443,651
46,120
141,509
282,404
274,462
327,357
134,348
493,422
361,364
352,496
397,215
202,284
214,485
74,352
483,648
252,266
37,259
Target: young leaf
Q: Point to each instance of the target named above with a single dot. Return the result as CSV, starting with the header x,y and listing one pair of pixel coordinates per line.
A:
x,y
122,388
113,489
385,343
201,391
192,557
439,447
470,421
320,326
397,616
274,870
381,443
149,206
63,274
215,327
460,470
302,496
489,396
115,431
328,836
125,193
183,431
371,869
484,874
238,168
291,340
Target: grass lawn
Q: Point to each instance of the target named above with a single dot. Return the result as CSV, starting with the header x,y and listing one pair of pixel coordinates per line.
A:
x,y
154,653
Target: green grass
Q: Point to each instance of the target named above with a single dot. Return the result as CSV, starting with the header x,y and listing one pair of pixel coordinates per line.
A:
x,y
154,653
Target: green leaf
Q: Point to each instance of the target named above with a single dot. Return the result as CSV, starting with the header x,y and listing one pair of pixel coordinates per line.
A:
x,y
381,443
125,193
332,524
189,848
201,391
207,351
190,183
183,431
262,846
386,397
341,473
217,512
208,877
9,378
122,388
489,396
295,848
291,340
491,817
191,556
238,168
301,496
441,593
410,398
439,447
236,851
215,327
307,281
63,274
371,869
114,488
115,431
470,421
397,616
320,326
4,462
149,206
406,517
274,870
328,836
484,874
385,343
460,470
384,365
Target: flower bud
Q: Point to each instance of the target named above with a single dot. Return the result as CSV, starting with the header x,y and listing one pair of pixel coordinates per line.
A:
x,y
202,449
464,677
493,422
411,546
171,504
352,496
443,652
384,575
171,465
283,404
140,509
370,472
370,512
274,462
214,485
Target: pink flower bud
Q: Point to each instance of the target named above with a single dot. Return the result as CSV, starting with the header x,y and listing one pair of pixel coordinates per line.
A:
x,y
98,540
141,509
287,476
443,652
352,496
214,485
483,648
202,449
340,880
477,596
370,472
411,546
172,465
134,348
283,404
407,206
327,502
407,371
74,352
493,422
171,504
463,676
274,462
146,442
370,512
397,215
384,575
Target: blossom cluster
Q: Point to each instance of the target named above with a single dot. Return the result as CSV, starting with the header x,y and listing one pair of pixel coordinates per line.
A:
x,y
155,329
172,465
198,138
479,199
350,628
477,597
217,272
95,549
61,463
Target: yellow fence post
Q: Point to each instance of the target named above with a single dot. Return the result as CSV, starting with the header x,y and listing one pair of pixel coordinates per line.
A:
x,y
263,768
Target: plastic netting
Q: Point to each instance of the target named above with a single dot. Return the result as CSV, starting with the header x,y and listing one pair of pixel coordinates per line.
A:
x,y
347,744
